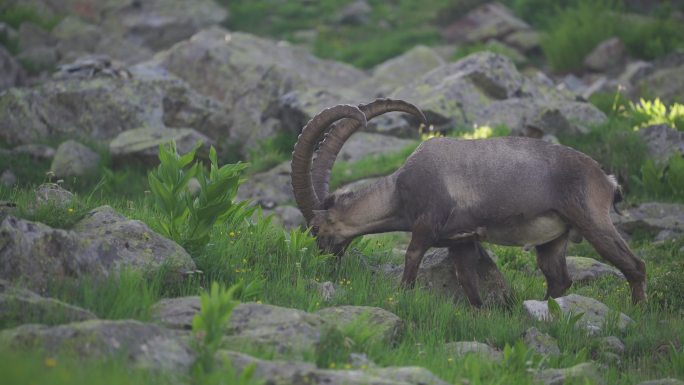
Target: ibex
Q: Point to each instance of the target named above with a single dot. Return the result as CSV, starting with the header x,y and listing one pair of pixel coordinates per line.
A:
x,y
455,193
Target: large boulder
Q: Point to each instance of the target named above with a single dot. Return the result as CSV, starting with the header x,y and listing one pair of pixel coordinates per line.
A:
x,y
485,89
104,241
144,345
11,72
102,107
300,373
588,269
74,159
663,220
404,68
270,188
608,56
20,306
663,141
541,343
387,325
594,313
437,272
488,21
365,144
141,145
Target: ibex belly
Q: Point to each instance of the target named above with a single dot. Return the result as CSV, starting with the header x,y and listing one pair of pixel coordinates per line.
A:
x,y
519,232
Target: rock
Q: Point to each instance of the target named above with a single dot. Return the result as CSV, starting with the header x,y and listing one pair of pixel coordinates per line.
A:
x,y
386,325
53,194
588,269
100,244
652,218
666,83
582,372
405,67
356,13
32,36
437,272
141,145
360,361
663,141
74,159
595,313
38,59
101,108
608,56
365,144
144,345
7,178
251,74
19,306
176,313
488,21
612,344
524,40
11,72
289,217
270,188
461,349
300,373
326,289
90,66
485,89
282,331
76,37
36,151
663,381
541,343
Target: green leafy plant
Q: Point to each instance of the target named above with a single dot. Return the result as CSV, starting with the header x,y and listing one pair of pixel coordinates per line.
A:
x,y
662,181
648,113
189,219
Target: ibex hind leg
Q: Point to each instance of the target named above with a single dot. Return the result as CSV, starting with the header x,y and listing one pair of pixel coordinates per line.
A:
x,y
551,261
599,231
465,256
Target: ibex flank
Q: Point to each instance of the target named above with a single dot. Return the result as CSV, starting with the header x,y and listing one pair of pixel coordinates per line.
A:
x,y
455,193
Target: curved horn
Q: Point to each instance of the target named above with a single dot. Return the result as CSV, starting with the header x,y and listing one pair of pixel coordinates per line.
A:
x,y
302,185
340,132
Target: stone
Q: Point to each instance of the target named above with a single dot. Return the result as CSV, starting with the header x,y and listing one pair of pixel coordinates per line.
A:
x,y
541,343
11,72
356,13
666,83
283,332
612,344
651,218
141,145
76,37
325,289
462,348
608,56
437,272
524,40
301,373
663,141
32,36
100,108
91,66
488,21
103,242
595,313
39,59
386,325
7,178
405,67
485,89
53,194
36,151
144,345
176,313
586,371
20,306
289,217
366,144
270,188
663,381
74,159
588,269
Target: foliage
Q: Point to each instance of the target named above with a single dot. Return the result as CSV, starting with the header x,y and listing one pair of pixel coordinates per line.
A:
x,y
662,181
271,152
16,14
648,113
189,219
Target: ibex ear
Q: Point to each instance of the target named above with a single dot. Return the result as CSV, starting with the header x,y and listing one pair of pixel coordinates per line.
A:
x,y
329,201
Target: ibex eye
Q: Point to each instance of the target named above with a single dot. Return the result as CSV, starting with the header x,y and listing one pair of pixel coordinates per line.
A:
x,y
314,230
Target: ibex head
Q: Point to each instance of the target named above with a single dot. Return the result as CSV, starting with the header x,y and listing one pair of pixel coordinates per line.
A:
x,y
311,177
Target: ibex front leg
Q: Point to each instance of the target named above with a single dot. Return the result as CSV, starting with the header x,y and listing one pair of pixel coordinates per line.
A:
x,y
421,241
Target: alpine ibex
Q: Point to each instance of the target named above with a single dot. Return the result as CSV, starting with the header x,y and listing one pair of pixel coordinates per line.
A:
x,y
455,193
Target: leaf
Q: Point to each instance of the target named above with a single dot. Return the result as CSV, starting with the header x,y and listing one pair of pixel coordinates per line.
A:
x,y
554,309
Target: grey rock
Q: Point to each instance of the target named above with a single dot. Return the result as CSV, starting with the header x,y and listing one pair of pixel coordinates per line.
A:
x,y
39,59
144,345
300,373
663,381
356,13
608,56
524,40
541,343
485,89
90,66
587,269
325,289
37,151
32,36
74,159
141,145
53,194
176,313
612,344
270,188
663,141
582,372
387,326
7,178
289,217
437,272
405,67
667,83
76,37
102,243
651,217
462,348
365,144
20,306
488,21
11,72
595,313
360,361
